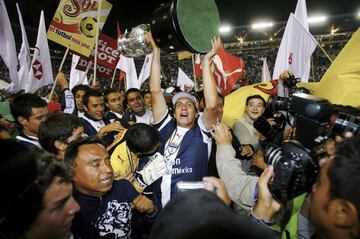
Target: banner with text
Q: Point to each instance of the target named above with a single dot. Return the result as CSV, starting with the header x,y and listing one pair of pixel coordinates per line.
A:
x,y
107,55
74,24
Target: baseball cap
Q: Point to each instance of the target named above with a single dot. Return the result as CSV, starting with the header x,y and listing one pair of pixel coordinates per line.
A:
x,y
5,111
183,95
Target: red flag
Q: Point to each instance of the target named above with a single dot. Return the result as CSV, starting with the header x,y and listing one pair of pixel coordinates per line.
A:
x,y
228,70
118,29
197,66
122,75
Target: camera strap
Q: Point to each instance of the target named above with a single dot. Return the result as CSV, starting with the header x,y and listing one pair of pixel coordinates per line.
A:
x,y
284,220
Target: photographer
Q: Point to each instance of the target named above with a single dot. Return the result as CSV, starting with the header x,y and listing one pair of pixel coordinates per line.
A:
x,y
241,187
335,207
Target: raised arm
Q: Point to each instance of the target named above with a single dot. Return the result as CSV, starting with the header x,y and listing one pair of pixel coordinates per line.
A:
x,y
210,92
67,98
159,106
240,186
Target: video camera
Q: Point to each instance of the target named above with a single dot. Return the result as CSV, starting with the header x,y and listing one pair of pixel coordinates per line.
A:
x,y
296,161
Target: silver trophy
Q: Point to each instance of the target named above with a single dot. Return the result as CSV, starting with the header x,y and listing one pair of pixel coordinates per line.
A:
x,y
133,44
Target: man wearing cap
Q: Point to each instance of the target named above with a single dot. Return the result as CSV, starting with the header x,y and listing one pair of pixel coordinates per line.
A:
x,y
186,140
6,118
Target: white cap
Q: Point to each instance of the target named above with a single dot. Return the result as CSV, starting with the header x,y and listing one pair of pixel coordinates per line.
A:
x,y
183,95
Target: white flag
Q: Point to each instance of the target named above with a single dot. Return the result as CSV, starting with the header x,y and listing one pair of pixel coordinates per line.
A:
x,y
296,48
183,80
7,45
301,13
40,73
77,77
265,74
127,65
145,70
24,55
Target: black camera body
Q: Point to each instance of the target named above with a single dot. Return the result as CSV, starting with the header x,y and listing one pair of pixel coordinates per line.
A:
x,y
295,170
296,162
271,133
291,81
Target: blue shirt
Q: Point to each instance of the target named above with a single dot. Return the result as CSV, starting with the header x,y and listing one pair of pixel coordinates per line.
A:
x,y
191,162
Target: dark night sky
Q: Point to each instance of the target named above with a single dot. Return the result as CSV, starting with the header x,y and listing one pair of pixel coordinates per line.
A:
x,y
132,12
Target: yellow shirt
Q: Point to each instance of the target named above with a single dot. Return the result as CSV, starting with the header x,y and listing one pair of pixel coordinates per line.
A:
x,y
123,161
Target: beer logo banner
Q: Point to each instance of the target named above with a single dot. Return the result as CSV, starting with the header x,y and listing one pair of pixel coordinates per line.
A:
x,y
74,24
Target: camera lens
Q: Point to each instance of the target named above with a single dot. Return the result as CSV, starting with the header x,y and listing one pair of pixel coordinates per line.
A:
x,y
345,123
272,154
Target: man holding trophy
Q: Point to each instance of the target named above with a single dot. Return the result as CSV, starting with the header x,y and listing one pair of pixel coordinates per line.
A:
x,y
185,136
186,141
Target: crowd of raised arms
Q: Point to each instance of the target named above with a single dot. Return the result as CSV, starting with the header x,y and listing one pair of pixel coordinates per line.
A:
x,y
162,164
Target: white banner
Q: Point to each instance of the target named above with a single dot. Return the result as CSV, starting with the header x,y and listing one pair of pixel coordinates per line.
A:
x,y
296,48
183,80
7,46
40,73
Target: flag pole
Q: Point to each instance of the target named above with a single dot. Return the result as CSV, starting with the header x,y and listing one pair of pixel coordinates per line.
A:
x,y
97,40
162,72
60,68
323,50
193,65
312,68
113,78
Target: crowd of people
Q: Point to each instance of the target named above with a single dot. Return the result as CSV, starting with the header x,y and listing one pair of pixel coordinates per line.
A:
x,y
251,51
101,162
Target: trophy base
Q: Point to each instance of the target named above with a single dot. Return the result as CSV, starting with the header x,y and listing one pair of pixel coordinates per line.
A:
x,y
185,25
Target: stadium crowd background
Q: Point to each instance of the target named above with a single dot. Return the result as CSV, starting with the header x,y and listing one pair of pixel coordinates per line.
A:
x,y
251,51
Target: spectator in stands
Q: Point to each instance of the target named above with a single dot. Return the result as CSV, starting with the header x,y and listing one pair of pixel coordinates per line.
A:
x,y
29,112
58,131
39,203
185,138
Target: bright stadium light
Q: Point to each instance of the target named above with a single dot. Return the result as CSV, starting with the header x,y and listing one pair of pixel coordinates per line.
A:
x,y
225,29
262,25
358,14
317,19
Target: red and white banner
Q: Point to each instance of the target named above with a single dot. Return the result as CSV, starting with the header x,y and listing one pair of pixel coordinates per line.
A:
x,y
227,70
77,77
101,71
108,57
